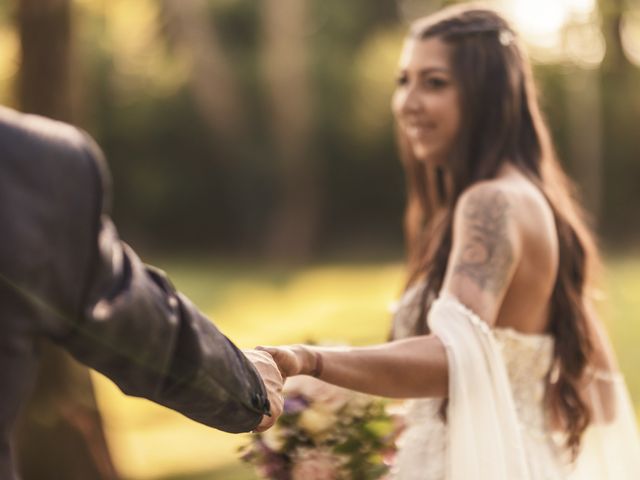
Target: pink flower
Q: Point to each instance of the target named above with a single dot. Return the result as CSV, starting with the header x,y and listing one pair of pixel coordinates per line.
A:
x,y
317,464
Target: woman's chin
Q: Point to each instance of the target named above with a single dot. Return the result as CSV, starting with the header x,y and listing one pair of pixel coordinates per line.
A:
x,y
428,155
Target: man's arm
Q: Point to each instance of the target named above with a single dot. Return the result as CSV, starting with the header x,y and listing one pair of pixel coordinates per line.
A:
x,y
135,328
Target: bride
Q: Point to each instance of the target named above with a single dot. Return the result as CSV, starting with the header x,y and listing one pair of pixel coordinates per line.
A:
x,y
496,338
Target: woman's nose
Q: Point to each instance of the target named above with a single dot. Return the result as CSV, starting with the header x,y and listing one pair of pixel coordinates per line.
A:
x,y
409,101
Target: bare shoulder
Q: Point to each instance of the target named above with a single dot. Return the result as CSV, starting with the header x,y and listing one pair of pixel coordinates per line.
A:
x,y
486,245
490,207
502,249
514,200
489,198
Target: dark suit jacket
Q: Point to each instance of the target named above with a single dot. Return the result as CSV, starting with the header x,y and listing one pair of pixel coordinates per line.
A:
x,y
66,276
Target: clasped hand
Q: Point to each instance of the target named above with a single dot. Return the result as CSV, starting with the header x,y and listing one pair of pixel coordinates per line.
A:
x,y
273,382
275,365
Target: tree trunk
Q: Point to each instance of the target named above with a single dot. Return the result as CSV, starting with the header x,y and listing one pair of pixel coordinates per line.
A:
x,y
620,100
611,12
60,433
294,224
45,70
211,80
584,115
220,102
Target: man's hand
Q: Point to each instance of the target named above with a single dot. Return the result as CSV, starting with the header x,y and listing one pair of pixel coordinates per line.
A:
x,y
273,383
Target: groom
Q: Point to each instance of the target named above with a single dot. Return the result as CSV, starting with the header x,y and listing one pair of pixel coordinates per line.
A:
x,y
66,276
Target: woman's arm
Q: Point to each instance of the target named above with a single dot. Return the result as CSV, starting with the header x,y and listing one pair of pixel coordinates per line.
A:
x,y
484,255
413,367
485,252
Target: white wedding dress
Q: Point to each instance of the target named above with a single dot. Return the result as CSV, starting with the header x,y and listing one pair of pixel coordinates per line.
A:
x,y
496,427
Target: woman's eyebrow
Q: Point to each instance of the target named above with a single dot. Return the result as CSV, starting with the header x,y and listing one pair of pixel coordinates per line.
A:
x,y
423,72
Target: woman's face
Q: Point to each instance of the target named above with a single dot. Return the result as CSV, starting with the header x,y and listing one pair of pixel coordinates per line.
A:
x,y
425,102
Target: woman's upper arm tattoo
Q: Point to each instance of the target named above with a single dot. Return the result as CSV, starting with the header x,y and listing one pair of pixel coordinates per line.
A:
x,y
487,254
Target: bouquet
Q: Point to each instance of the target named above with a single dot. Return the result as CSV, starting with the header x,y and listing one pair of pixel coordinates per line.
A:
x,y
325,433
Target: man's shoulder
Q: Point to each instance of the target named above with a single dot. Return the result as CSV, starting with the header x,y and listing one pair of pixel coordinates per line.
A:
x,y
42,145
26,131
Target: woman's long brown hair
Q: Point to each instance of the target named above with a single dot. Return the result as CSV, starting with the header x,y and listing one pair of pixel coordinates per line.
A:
x,y
501,122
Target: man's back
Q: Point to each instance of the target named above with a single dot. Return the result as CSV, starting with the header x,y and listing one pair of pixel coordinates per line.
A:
x,y
45,247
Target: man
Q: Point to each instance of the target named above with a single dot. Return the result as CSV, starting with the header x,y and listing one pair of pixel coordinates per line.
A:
x,y
66,276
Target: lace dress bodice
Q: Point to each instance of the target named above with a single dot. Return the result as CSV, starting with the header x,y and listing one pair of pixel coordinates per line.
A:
x,y
422,448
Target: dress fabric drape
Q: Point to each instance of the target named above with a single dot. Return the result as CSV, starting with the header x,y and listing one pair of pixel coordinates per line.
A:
x,y
496,427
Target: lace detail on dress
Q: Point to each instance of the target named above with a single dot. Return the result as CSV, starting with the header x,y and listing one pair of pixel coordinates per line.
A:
x,y
528,359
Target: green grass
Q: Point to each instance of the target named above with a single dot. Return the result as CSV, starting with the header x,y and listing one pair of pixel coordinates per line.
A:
x,y
622,317
256,304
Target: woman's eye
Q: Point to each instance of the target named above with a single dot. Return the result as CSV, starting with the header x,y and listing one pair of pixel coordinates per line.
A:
x,y
435,83
401,80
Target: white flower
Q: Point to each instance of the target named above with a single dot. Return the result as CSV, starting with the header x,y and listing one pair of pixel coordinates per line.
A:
x,y
316,421
358,404
274,438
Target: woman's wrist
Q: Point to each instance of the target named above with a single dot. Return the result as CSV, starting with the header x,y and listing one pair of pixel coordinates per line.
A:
x,y
310,361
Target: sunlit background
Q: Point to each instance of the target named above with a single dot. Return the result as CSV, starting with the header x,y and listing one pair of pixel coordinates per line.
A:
x,y
252,152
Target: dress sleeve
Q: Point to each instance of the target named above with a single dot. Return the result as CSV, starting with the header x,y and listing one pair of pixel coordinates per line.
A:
x,y
485,439
136,329
484,435
610,445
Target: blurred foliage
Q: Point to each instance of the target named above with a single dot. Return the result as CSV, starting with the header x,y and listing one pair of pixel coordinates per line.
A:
x,y
179,183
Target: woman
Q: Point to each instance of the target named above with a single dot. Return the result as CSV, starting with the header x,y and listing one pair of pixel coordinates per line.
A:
x,y
496,327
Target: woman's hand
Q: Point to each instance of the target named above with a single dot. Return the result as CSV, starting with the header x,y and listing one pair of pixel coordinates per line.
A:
x,y
292,360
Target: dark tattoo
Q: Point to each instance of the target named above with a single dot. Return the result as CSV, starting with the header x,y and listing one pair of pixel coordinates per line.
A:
x,y
487,254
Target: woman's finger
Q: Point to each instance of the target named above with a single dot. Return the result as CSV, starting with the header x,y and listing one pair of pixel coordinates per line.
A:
x,y
269,350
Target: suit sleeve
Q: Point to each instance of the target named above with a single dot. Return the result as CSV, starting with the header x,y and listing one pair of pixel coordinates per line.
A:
x,y
136,329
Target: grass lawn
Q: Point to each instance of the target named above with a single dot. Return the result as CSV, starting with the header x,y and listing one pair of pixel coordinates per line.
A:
x,y
253,304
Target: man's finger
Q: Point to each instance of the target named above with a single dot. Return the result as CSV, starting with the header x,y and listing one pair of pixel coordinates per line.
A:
x,y
269,350
265,424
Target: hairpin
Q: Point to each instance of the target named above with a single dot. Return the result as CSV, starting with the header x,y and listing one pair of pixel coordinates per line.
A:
x,y
505,37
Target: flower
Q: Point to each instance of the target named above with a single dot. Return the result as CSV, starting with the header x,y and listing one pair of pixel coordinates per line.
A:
x,y
275,469
317,464
274,438
295,404
316,421
357,405
330,397
324,433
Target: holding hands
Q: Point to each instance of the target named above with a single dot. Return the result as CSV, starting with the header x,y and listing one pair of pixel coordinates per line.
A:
x,y
273,382
295,360
275,365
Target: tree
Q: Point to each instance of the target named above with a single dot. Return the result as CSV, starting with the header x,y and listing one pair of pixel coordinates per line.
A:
x,y
211,80
60,433
45,69
621,142
289,97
